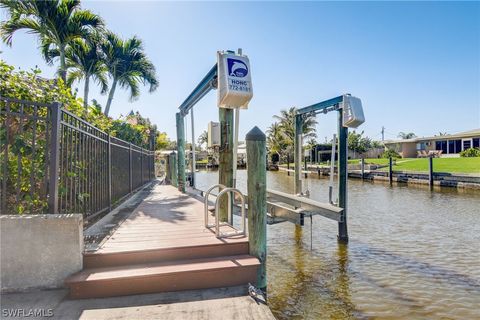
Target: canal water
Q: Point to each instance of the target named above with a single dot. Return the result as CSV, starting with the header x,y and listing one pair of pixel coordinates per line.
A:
x,y
413,254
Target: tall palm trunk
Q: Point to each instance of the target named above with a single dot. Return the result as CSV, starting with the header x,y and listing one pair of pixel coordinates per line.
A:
x,y
85,93
63,64
110,96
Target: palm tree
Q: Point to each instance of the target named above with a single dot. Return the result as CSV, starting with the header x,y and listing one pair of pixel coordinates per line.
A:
x,y
287,124
281,135
275,138
86,60
127,65
58,23
404,135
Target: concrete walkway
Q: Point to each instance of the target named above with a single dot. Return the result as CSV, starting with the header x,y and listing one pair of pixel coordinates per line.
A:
x,y
222,304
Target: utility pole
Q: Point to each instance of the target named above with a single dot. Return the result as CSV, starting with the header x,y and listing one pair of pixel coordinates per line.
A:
x,y
383,133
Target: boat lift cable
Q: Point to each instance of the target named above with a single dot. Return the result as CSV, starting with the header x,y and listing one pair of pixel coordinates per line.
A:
x,y
235,147
332,170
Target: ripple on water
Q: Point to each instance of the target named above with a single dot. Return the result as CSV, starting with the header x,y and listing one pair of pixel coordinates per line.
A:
x,y
413,254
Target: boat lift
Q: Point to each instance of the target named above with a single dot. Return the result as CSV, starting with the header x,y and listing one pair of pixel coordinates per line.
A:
x,y
231,76
350,114
281,206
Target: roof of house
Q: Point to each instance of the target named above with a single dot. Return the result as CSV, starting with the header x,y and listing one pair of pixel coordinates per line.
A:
x,y
463,134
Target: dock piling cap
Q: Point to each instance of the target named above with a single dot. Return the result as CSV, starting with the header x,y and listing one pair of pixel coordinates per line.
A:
x,y
255,135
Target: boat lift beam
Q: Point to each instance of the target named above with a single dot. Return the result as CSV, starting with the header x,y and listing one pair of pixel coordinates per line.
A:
x,y
208,83
286,207
334,104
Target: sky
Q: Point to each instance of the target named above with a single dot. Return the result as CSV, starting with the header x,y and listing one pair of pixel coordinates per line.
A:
x,y
414,65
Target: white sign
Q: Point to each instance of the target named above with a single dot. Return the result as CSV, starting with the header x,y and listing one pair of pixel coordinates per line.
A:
x,y
234,81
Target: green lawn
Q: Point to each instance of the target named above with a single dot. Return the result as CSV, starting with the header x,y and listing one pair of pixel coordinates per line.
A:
x,y
458,165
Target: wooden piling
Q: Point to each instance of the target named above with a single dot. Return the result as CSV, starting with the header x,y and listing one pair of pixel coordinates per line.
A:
x,y
390,171
181,153
363,168
225,167
430,171
298,153
342,178
306,167
173,167
168,170
257,201
288,164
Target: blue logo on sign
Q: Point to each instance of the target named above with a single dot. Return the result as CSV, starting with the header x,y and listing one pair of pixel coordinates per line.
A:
x,y
237,68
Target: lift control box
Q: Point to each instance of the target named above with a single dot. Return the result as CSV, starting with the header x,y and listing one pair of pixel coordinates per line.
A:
x,y
352,112
234,80
213,139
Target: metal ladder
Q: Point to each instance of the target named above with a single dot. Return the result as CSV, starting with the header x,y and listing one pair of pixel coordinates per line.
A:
x,y
218,224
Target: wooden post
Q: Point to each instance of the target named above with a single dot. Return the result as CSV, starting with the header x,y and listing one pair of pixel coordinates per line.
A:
x,y
168,172
180,152
288,164
257,201
298,153
305,166
430,171
56,114
225,167
173,167
390,170
342,178
363,168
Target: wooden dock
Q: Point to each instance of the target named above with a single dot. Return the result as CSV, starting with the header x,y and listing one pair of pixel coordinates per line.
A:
x,y
163,246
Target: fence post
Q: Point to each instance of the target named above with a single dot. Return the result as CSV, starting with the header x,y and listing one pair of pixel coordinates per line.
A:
x,y
109,151
54,158
430,171
257,201
130,177
390,170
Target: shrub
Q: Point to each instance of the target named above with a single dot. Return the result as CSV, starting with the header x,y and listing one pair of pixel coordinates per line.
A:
x,y
389,153
470,153
21,160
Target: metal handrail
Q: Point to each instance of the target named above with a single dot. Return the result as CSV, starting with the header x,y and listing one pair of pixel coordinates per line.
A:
x,y
205,203
217,220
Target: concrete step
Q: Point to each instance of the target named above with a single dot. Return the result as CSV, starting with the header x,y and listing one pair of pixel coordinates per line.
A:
x,y
123,258
154,277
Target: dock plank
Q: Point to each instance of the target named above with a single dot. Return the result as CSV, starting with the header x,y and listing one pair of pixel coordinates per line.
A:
x,y
165,219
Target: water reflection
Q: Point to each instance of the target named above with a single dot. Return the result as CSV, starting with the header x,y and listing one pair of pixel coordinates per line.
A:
x,y
413,254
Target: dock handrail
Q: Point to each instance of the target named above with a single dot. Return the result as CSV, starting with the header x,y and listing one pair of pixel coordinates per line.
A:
x,y
205,203
217,220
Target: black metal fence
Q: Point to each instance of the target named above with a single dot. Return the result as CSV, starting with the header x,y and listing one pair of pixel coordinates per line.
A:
x,y
55,162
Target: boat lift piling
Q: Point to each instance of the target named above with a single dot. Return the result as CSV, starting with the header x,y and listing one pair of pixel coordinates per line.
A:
x,y
350,114
264,206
